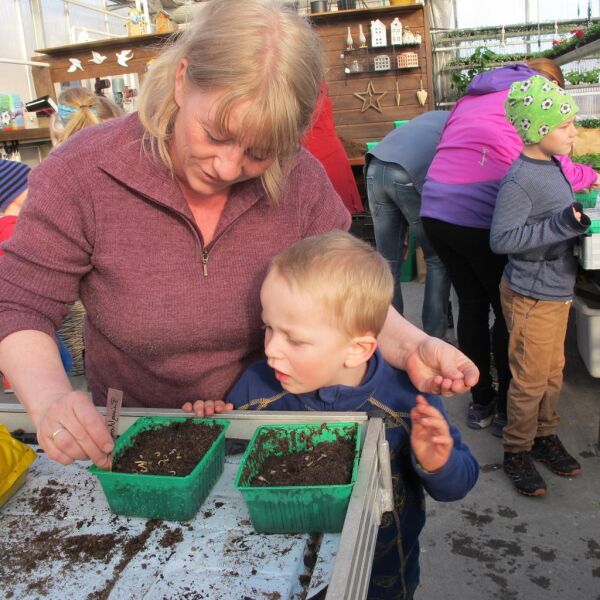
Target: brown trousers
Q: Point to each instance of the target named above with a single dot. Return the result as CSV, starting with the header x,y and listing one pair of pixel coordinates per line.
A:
x,y
536,354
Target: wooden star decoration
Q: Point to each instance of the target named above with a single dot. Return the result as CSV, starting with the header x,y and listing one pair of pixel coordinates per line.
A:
x,y
370,98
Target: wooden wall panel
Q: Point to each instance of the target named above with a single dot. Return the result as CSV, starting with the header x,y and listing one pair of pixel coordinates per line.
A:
x,y
371,125
352,124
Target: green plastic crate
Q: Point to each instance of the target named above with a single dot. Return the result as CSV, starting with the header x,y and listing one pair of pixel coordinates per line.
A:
x,y
295,509
371,145
161,496
400,123
594,215
587,199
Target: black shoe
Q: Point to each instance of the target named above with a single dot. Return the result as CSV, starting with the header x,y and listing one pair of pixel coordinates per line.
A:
x,y
549,449
480,416
522,472
498,424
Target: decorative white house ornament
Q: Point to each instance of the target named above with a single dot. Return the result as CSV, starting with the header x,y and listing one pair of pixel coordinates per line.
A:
x,y
417,38
97,58
75,64
361,37
382,62
378,34
349,41
123,57
408,60
396,32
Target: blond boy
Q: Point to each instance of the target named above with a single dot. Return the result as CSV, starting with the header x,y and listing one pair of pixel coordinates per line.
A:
x,y
324,301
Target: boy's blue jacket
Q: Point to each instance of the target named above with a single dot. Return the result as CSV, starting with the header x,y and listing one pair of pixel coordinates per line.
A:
x,y
388,391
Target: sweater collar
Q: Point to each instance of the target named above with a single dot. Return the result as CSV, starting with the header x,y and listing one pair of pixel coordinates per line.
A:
x,y
347,398
133,165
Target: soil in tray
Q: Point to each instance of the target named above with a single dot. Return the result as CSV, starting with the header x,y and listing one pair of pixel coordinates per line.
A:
x,y
326,463
174,449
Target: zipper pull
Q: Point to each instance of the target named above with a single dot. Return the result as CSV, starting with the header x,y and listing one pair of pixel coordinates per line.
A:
x,y
205,262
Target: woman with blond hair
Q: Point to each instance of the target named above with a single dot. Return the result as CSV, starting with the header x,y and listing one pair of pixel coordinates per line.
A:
x,y
79,108
165,222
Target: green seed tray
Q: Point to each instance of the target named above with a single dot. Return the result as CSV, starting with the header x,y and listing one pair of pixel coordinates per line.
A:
x,y
400,123
161,496
371,145
295,509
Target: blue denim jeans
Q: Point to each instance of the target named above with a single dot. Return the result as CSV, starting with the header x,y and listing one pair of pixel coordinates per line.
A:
x,y
395,205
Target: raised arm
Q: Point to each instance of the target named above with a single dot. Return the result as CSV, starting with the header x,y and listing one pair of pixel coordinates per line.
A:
x,y
580,176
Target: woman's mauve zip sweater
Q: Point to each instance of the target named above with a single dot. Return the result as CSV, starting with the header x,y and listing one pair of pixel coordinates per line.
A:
x,y
169,320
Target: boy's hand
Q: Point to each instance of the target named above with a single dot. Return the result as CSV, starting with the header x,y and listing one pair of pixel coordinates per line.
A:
x,y
207,408
430,437
577,214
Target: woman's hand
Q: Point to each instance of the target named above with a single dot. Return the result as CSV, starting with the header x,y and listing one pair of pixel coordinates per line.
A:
x,y
430,437
207,408
436,367
72,429
433,366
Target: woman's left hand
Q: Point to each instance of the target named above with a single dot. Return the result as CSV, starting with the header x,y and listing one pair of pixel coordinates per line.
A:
x,y
436,367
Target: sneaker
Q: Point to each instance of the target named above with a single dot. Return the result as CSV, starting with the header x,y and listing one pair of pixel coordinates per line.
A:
x,y
480,416
522,472
498,424
549,449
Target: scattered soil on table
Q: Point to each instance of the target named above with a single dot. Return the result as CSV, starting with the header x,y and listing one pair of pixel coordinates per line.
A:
x,y
171,450
46,501
25,555
324,463
171,538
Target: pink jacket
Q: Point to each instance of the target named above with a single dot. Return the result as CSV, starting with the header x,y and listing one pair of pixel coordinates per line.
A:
x,y
109,224
477,147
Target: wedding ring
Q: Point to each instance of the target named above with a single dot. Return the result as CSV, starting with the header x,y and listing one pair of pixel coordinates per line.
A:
x,y
55,433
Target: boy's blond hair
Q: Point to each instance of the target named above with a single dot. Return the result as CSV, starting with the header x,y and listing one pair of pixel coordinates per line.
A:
x,y
347,275
257,50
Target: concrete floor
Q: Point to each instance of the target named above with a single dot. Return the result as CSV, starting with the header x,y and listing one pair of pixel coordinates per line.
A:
x,y
497,544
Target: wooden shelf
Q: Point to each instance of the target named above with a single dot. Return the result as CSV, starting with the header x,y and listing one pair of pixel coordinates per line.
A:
x,y
35,134
125,41
361,12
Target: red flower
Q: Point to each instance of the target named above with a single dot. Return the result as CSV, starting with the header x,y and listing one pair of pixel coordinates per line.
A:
x,y
578,32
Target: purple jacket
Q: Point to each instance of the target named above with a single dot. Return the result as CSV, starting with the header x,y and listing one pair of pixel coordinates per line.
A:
x,y
477,148
107,223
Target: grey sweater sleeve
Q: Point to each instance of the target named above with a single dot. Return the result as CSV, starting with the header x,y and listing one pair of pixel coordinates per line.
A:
x,y
512,230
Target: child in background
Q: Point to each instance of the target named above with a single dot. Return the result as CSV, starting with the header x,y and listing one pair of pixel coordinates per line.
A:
x,y
324,301
536,222
79,108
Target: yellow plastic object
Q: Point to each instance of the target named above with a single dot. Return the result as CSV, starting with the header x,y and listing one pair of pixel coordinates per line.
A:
x,y
15,458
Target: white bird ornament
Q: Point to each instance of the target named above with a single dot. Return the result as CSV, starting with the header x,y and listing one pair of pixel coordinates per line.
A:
x,y
97,58
123,57
75,64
